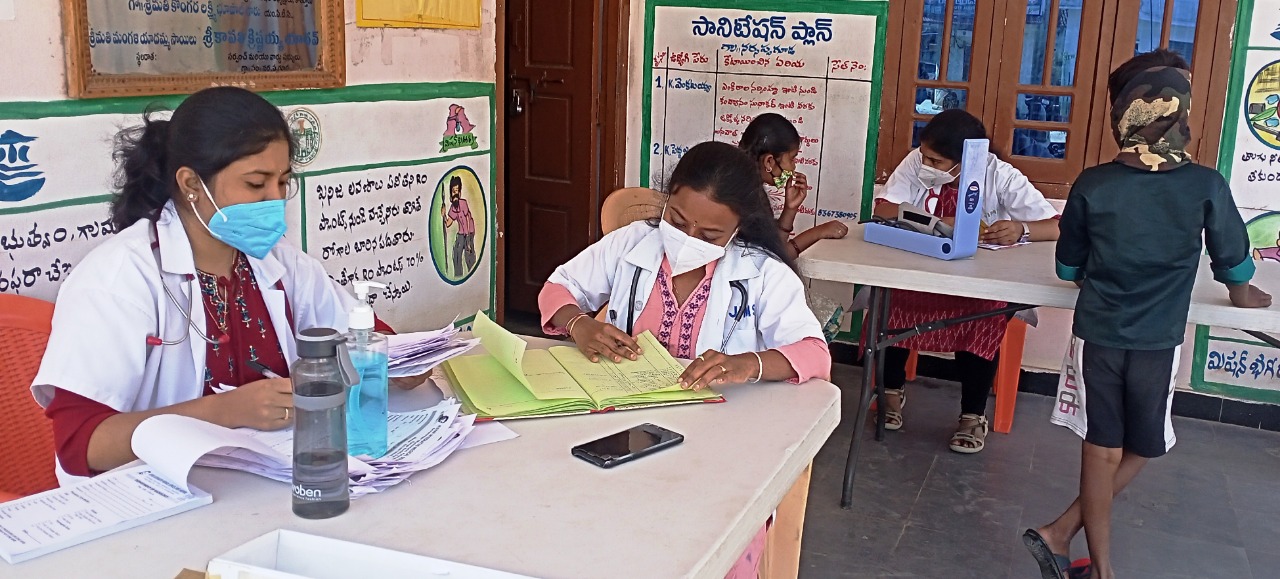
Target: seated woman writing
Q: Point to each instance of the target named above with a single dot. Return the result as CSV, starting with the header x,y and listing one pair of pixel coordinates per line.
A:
x,y
710,278
195,288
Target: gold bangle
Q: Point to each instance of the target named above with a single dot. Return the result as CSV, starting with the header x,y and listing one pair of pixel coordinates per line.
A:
x,y
568,328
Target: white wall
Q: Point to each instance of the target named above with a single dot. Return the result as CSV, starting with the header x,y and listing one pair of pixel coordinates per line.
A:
x,y
373,55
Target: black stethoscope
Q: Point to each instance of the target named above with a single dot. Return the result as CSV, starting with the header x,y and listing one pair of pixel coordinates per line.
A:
x,y
156,340
737,285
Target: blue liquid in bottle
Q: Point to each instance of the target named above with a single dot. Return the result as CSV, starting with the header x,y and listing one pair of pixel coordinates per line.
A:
x,y
367,402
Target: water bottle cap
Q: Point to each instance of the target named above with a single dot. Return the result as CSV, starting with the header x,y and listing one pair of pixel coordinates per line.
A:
x,y
319,342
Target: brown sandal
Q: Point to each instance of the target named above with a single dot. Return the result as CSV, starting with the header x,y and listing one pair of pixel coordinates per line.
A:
x,y
970,439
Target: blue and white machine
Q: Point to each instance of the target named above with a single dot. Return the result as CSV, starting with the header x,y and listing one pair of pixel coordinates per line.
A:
x,y
963,239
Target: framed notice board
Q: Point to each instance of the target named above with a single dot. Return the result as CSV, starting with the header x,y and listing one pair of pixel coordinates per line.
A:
x,y
149,47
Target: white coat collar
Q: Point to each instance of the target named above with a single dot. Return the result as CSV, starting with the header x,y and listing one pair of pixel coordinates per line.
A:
x,y
176,254
739,262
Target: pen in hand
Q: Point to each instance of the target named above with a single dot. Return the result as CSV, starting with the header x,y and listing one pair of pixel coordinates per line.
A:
x,y
265,371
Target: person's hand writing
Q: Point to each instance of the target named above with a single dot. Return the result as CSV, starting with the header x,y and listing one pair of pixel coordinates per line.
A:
x,y
595,339
797,190
1002,233
713,368
261,405
1248,296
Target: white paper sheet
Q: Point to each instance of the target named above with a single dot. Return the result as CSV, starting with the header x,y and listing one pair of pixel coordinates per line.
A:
x,y
106,504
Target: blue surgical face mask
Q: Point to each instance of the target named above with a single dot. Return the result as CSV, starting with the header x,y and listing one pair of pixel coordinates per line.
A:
x,y
253,228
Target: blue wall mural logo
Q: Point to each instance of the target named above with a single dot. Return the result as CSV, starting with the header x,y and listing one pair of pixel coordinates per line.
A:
x,y
19,179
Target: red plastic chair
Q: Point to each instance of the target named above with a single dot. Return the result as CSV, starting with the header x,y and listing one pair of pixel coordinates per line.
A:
x,y
1008,372
26,438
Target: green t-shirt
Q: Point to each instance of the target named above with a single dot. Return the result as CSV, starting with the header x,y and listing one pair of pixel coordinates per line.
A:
x,y
1133,238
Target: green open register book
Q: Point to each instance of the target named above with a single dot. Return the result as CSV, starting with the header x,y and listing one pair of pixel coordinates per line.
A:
x,y
513,382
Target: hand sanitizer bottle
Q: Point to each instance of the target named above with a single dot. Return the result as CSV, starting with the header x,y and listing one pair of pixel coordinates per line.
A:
x,y
367,401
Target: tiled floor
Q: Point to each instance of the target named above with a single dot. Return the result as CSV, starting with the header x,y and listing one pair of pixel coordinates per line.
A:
x,y
1209,509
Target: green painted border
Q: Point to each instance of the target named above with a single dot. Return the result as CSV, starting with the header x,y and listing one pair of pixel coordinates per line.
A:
x,y
34,110
877,8
31,110
55,205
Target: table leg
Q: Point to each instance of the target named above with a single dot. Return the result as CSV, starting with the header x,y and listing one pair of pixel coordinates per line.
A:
x,y
881,408
781,558
874,327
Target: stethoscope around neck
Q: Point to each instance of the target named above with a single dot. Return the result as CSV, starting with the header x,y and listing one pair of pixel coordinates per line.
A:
x,y
737,285
156,339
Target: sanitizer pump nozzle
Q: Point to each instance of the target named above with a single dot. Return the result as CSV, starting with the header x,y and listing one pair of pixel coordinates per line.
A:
x,y
362,313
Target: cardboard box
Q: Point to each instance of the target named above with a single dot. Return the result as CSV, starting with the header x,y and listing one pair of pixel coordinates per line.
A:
x,y
291,555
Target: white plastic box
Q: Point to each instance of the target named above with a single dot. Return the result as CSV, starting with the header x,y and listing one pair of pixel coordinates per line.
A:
x,y
291,555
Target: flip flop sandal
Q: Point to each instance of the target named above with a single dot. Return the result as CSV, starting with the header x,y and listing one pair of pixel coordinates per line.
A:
x,y
971,439
1051,564
893,419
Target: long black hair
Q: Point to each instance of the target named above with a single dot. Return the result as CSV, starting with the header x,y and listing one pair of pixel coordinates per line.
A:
x,y
770,134
948,130
730,177
208,131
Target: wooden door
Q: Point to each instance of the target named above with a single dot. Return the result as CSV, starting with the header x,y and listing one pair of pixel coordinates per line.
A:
x,y
552,146
1046,88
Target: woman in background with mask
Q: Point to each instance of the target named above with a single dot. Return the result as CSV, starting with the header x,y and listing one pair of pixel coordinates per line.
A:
x,y
709,278
194,288
1013,210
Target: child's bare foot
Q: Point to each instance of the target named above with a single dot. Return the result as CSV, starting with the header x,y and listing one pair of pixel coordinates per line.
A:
x,y
833,230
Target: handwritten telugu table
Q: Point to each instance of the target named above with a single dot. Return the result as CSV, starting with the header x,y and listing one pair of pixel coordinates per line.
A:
x,y
525,505
1021,275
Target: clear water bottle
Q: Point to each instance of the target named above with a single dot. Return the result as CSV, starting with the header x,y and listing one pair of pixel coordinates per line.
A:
x,y
321,377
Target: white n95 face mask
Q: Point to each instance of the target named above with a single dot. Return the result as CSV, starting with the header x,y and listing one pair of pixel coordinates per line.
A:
x,y
933,178
686,253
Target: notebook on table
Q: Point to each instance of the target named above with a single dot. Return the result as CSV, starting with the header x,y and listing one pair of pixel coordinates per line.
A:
x,y
512,381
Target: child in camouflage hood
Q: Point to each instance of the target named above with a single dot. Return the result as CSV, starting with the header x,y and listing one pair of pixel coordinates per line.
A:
x,y
1131,239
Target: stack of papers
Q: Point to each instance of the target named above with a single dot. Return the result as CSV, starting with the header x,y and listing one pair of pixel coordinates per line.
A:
x,y
417,353
417,440
59,518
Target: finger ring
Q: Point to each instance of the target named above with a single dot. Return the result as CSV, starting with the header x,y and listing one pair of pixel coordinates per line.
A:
x,y
701,358
723,370
286,414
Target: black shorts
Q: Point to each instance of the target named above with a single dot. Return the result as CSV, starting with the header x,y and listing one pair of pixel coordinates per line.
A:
x,y
1120,398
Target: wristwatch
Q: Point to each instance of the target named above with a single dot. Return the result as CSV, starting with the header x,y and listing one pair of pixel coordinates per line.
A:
x,y
1026,233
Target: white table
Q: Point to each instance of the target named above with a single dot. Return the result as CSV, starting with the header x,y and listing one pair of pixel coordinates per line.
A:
x,y
526,505
1018,275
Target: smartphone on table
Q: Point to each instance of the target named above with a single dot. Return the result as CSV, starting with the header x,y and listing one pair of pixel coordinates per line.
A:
x,y
627,445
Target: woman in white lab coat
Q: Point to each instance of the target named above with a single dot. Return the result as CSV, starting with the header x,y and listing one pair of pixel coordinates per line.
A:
x,y
1014,211
709,279
193,291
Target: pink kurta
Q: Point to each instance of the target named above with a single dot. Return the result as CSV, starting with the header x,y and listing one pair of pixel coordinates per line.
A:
x,y
682,323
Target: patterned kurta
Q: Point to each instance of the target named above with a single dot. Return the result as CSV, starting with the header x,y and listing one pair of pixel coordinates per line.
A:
x,y
235,305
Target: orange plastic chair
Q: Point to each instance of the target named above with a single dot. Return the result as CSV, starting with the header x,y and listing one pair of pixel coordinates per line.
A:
x,y
1008,372
624,207
26,438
